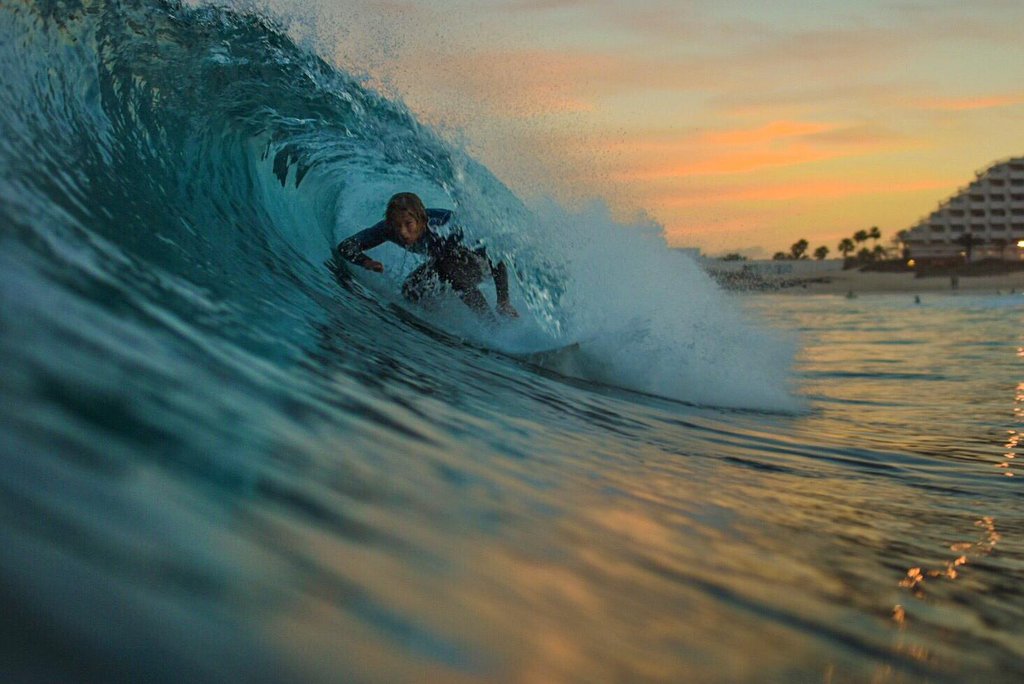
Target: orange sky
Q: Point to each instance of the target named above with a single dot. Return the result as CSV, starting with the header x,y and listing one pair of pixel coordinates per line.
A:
x,y
737,125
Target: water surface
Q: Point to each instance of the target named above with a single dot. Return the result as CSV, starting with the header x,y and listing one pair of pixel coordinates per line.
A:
x,y
220,464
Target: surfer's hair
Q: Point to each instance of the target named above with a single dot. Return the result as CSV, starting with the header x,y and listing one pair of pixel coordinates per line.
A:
x,y
405,202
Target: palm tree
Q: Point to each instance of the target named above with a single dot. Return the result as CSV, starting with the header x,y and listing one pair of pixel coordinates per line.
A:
x,y
798,248
879,253
821,253
846,246
860,236
875,234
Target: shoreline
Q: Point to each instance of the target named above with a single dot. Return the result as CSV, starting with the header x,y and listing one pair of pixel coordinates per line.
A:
x,y
843,282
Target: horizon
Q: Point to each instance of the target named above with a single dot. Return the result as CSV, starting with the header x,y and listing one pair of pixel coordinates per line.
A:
x,y
734,125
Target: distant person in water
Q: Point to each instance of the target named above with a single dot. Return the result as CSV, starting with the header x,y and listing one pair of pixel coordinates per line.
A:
x,y
410,225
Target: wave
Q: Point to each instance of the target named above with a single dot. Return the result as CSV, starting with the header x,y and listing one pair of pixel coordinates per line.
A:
x,y
189,168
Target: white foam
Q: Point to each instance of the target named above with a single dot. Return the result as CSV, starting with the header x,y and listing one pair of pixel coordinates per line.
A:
x,y
650,319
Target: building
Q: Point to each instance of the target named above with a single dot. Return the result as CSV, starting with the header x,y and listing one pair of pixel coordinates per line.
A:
x,y
764,274
775,268
988,214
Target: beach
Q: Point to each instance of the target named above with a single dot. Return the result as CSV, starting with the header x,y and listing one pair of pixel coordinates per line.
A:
x,y
858,282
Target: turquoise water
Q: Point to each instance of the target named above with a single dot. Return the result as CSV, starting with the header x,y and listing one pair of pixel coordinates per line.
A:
x,y
218,464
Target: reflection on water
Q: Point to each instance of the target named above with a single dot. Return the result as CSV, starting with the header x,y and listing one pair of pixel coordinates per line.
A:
x,y
915,579
462,518
965,552
1013,440
899,382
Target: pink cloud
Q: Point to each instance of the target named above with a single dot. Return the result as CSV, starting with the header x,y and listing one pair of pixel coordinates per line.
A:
x,y
743,150
809,190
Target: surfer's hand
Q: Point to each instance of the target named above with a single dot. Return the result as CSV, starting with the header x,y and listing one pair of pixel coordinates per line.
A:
x,y
375,266
506,309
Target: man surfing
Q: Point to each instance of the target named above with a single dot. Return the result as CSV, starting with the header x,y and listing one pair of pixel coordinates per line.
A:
x,y
410,225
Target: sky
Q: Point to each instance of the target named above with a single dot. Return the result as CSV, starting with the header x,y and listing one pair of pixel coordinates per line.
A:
x,y
738,126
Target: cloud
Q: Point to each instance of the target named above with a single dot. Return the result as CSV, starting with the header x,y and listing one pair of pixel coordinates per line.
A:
x,y
511,83
868,135
732,67
811,190
962,104
703,111
742,150
728,163
769,133
540,5
777,99
718,229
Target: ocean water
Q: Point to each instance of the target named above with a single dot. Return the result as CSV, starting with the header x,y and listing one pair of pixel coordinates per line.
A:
x,y
217,463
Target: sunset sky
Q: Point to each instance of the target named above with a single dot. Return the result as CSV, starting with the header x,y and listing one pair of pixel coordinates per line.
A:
x,y
736,125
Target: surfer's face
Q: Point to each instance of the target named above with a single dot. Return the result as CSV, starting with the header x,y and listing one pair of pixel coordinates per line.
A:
x,y
408,227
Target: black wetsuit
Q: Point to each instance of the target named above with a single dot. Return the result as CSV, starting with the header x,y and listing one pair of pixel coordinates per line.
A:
x,y
448,261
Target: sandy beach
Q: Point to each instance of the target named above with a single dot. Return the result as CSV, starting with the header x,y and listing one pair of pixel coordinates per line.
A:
x,y
843,282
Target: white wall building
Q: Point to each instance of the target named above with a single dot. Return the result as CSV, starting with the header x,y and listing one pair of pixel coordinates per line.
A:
x,y
771,268
991,210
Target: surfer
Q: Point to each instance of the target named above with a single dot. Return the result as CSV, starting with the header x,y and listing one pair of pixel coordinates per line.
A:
x,y
410,225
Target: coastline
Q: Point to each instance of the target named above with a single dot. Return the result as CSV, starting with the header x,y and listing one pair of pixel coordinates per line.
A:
x,y
843,282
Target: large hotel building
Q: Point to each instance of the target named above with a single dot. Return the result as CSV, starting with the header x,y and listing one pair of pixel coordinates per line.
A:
x,y
990,210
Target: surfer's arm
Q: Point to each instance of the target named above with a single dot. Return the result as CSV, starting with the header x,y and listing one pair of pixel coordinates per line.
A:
x,y
351,248
498,270
500,275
